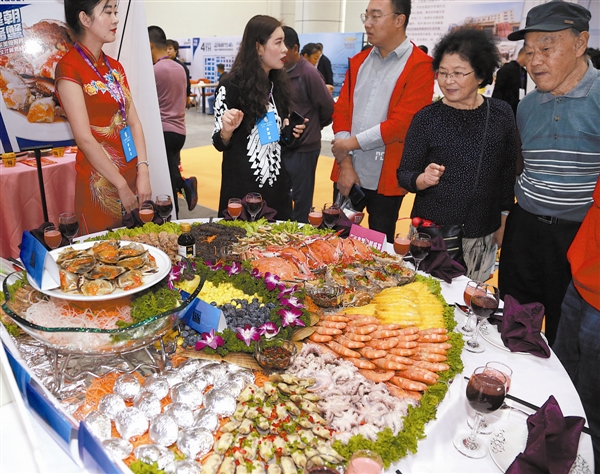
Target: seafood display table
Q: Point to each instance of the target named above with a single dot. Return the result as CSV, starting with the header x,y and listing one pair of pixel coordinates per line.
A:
x,y
22,203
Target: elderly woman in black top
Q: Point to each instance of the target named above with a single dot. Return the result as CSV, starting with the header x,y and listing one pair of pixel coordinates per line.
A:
x,y
444,144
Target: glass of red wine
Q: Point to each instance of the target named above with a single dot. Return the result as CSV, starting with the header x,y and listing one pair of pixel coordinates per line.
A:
x,y
52,236
164,206
234,207
484,302
420,245
254,203
401,244
331,214
324,464
68,225
315,216
471,320
485,394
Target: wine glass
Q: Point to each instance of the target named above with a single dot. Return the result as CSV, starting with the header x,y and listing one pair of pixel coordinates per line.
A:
x,y
147,212
492,369
315,216
331,214
471,321
52,236
484,302
420,245
164,206
401,243
324,464
234,206
485,395
364,461
68,225
254,202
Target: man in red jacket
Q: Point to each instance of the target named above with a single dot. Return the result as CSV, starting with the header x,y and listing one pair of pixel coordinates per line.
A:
x,y
384,87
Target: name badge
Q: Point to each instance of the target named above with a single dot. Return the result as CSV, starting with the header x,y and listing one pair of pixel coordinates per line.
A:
x,y
128,144
268,131
521,93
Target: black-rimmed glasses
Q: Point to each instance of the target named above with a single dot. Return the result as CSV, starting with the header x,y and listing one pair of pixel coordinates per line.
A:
x,y
459,76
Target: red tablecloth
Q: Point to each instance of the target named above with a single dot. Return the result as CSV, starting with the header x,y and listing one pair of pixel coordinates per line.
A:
x,y
21,202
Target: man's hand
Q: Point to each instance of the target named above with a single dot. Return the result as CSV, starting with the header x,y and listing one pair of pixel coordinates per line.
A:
x,y
341,147
431,176
347,178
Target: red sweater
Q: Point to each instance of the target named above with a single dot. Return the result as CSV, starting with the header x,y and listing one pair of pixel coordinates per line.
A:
x,y
584,254
413,91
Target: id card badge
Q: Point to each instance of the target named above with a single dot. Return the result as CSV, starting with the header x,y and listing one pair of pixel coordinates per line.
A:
x,y
268,131
521,93
128,143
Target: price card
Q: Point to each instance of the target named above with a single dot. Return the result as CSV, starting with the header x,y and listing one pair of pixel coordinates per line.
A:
x,y
370,237
202,317
38,262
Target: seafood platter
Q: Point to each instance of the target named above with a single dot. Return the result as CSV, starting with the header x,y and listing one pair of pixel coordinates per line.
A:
x,y
330,347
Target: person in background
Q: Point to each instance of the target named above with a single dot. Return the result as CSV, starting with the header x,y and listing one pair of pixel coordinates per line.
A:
x,y
424,48
511,81
324,67
110,179
311,53
255,92
384,87
170,87
311,99
560,134
443,148
577,342
173,52
211,98
594,55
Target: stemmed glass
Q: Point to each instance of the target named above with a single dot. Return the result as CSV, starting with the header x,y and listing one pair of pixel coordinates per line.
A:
x,y
147,212
420,245
164,205
315,216
467,328
364,461
68,225
254,202
331,214
52,236
492,369
485,395
401,244
234,206
484,302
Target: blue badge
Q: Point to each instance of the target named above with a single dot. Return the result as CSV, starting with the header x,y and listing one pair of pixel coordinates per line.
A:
x,y
128,144
268,131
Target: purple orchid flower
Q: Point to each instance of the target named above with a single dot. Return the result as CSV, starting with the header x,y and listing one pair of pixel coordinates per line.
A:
x,y
268,330
247,334
271,281
290,317
286,291
292,302
209,339
233,269
215,267
174,276
256,273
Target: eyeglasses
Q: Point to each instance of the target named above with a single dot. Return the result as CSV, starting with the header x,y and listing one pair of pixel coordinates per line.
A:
x,y
375,18
459,76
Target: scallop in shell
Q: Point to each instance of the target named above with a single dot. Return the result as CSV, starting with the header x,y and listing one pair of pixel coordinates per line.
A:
x,y
69,281
107,251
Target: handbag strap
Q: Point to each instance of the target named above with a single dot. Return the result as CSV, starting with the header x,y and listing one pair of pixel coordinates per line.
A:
x,y
487,121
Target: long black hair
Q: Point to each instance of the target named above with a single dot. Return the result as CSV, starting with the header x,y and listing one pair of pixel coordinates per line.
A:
x,y
74,7
249,76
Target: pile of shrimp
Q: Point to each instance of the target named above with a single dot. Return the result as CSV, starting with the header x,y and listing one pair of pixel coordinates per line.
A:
x,y
405,359
350,403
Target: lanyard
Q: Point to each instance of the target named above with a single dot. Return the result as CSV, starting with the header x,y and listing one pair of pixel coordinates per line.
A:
x,y
117,85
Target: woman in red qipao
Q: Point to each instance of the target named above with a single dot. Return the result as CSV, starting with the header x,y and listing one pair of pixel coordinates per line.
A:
x,y
94,93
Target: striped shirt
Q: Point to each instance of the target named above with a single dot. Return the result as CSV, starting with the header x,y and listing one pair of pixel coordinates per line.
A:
x,y
560,138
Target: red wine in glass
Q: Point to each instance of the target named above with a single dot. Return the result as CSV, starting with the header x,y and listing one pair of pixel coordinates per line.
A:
x,y
164,205
331,215
485,392
483,305
68,225
419,249
254,204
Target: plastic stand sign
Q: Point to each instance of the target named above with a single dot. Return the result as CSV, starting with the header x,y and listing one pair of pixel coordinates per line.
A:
x,y
39,263
203,317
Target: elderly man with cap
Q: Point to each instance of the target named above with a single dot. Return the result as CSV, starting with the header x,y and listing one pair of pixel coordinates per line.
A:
x,y
559,127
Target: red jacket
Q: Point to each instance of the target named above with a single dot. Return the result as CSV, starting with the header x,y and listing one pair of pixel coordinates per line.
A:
x,y
413,91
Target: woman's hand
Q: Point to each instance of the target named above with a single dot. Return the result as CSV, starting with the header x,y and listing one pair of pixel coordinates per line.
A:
x,y
231,120
142,184
127,198
431,176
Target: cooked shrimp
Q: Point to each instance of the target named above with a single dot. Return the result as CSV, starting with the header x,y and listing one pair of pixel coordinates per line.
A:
x,y
316,337
440,345
336,317
396,391
429,356
364,321
410,330
406,344
433,338
349,343
357,337
363,364
434,331
390,327
388,364
403,352
408,337
420,375
370,353
401,359
332,324
431,348
361,329
383,344
412,394
407,384
341,350
433,366
328,331
377,375
384,334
